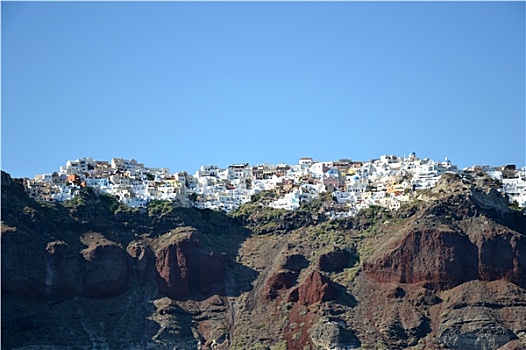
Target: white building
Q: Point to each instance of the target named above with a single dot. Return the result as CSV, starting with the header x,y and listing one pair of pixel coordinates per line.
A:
x,y
79,166
516,190
290,201
207,171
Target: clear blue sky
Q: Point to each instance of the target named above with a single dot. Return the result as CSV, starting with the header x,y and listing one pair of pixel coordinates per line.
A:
x,y
182,84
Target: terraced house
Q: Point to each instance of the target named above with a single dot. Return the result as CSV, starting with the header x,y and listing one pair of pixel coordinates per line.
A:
x,y
387,181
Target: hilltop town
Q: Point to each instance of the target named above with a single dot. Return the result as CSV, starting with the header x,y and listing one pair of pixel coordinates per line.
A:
x,y
387,181
445,270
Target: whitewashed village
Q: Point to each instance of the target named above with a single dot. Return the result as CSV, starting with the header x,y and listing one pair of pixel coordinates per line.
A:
x,y
387,181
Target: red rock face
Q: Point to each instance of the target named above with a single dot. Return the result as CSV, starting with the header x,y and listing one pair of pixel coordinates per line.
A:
x,y
33,268
450,258
183,267
315,288
106,271
501,255
426,256
172,265
300,320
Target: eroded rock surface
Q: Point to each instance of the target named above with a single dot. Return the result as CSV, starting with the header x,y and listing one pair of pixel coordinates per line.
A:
x,y
184,267
448,258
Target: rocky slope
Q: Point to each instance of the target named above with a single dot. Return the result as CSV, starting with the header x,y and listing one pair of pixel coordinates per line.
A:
x,y
445,271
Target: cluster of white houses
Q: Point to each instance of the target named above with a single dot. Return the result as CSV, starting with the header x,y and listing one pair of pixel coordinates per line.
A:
x,y
386,181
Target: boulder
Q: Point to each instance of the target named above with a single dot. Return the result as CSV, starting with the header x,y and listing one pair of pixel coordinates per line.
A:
x,y
294,262
333,334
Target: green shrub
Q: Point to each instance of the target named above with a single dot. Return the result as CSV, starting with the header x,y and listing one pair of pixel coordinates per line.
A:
x,y
160,207
74,202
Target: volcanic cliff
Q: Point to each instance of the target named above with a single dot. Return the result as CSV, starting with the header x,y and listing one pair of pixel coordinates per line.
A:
x,y
447,270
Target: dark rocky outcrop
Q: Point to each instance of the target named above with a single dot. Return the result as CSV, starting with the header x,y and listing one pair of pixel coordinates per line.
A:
x,y
333,333
334,261
106,271
476,315
24,264
294,262
280,281
64,270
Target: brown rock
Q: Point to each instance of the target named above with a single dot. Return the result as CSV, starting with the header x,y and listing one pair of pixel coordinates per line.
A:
x,y
481,315
501,255
294,296
210,270
171,263
287,268
513,345
399,313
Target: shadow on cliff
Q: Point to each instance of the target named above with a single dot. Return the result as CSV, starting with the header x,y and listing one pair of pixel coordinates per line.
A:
x,y
119,322
344,297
